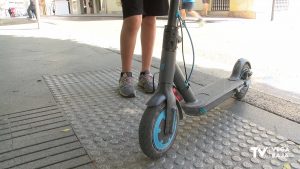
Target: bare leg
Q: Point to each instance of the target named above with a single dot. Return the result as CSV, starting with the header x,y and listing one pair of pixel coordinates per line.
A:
x,y
205,9
129,31
194,14
183,14
148,32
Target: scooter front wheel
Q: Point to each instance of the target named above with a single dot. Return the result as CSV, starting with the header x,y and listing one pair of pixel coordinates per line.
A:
x,y
153,140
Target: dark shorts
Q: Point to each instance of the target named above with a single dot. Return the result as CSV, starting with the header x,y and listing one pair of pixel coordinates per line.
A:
x,y
145,7
187,6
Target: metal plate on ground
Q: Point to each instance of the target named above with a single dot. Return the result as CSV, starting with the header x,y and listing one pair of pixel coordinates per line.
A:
x,y
107,125
40,138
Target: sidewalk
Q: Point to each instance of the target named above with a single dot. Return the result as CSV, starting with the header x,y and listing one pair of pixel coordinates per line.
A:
x,y
15,21
218,43
75,68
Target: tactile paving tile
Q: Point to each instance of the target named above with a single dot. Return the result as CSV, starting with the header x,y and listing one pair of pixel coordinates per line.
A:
x,y
107,125
40,138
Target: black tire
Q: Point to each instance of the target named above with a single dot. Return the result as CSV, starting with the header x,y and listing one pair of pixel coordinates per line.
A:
x,y
244,76
146,132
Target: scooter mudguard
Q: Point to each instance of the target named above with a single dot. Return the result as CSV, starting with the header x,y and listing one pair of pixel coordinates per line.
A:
x,y
159,98
156,100
237,69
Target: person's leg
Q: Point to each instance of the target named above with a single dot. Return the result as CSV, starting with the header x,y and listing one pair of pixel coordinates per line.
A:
x,y
129,31
183,14
205,9
29,12
194,14
148,32
132,20
151,9
190,11
34,13
9,11
128,36
183,10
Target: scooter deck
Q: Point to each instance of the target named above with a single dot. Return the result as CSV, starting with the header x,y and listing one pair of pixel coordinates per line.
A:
x,y
212,95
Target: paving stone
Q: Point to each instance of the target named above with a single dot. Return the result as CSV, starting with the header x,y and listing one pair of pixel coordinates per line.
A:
x,y
103,120
42,137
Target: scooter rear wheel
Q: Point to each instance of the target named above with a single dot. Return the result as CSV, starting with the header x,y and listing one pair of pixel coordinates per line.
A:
x,y
245,75
153,140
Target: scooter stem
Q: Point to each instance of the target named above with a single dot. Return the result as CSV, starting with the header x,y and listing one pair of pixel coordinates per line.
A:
x,y
172,17
167,68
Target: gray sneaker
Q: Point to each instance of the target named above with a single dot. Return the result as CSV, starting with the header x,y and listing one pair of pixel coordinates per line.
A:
x,y
126,87
146,82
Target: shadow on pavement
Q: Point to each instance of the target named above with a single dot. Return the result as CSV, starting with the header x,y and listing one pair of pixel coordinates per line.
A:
x,y
24,60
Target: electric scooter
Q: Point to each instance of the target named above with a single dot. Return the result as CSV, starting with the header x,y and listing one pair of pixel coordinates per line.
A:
x,y
159,123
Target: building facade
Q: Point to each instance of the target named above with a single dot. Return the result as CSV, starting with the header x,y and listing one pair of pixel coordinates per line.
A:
x,y
78,7
260,9
20,7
